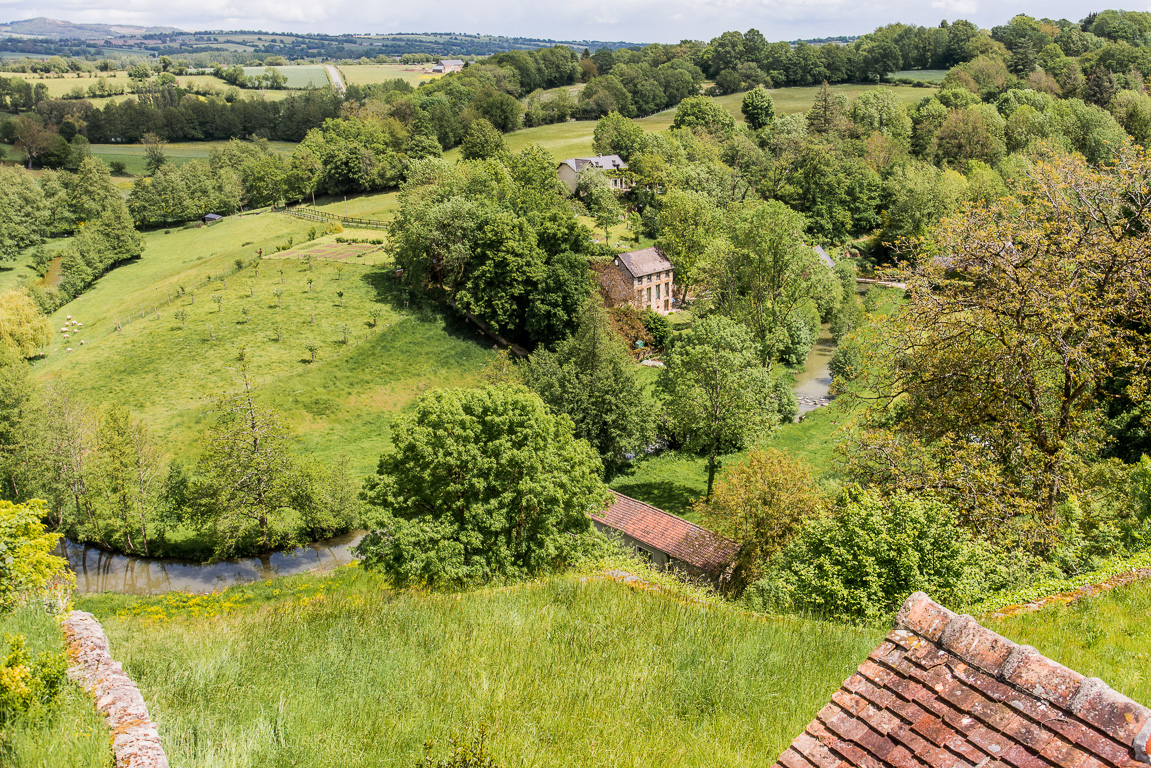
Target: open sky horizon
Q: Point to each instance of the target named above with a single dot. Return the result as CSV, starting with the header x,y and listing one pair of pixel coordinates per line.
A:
x,y
640,21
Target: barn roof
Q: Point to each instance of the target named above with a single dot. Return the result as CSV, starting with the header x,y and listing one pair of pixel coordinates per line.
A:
x,y
665,532
645,262
944,692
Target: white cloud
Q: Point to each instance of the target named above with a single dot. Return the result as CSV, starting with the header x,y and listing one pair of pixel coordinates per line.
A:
x,y
632,20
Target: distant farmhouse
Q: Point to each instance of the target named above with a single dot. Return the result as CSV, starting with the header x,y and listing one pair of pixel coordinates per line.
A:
x,y
641,278
668,541
449,65
569,170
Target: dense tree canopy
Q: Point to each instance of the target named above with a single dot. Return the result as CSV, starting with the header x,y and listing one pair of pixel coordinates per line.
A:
x,y
484,484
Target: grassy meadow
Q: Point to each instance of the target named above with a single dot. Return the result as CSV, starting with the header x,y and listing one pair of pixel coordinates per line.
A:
x,y
340,670
299,78
169,369
73,734
178,152
366,74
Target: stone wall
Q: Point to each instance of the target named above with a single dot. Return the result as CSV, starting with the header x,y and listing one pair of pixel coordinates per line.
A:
x,y
135,740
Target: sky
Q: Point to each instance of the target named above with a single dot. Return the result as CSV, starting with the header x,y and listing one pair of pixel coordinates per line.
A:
x,y
644,21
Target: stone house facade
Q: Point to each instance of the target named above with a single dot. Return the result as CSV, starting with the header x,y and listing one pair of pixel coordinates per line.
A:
x,y
649,276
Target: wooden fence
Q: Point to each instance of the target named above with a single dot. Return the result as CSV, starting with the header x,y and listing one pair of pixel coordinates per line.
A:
x,y
312,214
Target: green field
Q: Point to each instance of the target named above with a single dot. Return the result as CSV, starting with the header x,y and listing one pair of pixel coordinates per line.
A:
x,y
340,405
366,74
340,670
74,734
179,152
299,78
926,75
574,139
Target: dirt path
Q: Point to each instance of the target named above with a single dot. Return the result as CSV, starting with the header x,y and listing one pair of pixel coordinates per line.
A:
x,y
334,76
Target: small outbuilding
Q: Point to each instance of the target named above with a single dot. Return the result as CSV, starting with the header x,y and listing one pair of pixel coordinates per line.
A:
x,y
823,256
211,217
612,165
943,691
668,541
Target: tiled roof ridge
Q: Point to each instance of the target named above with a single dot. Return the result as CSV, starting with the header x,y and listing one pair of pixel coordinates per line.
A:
x,y
1027,670
694,526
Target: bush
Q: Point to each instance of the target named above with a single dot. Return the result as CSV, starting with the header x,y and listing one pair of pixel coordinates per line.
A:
x,y
118,168
28,570
26,685
658,327
845,363
485,484
863,560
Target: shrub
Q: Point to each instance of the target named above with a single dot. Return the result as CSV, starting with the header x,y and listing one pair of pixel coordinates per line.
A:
x,y
761,502
861,561
845,363
28,570
658,327
27,685
118,168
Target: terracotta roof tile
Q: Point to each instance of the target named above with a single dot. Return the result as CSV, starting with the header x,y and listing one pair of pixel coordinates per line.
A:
x,y
673,535
943,691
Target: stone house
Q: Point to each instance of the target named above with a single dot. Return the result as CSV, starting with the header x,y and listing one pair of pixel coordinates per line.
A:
x,y
643,279
941,690
612,165
450,65
668,541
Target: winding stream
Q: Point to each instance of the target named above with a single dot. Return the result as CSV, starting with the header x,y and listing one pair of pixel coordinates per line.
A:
x,y
813,383
100,571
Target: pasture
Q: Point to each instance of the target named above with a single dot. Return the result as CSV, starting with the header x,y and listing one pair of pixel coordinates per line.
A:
x,y
179,152
180,337
299,78
366,74
926,75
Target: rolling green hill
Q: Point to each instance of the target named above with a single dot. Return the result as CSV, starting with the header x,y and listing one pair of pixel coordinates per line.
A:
x,y
168,368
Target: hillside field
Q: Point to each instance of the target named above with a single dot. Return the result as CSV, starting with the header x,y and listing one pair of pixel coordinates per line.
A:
x,y
298,77
170,370
366,74
179,152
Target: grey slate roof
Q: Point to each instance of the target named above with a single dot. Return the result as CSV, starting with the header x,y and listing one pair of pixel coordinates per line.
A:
x,y
645,262
822,254
605,162
451,62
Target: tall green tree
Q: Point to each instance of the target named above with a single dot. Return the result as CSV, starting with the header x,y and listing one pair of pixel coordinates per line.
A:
x,y
484,484
716,394
591,378
688,222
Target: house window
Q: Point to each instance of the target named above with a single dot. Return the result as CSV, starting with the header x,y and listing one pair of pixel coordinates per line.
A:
x,y
639,282
665,305
649,294
657,291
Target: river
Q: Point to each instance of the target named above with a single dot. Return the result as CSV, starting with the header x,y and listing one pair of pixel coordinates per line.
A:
x,y
813,383
100,571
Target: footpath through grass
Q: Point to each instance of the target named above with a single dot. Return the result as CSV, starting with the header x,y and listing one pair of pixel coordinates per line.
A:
x,y
339,670
73,734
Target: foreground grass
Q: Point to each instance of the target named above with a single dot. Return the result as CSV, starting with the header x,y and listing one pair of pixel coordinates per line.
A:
x,y
72,734
338,670
1105,636
169,370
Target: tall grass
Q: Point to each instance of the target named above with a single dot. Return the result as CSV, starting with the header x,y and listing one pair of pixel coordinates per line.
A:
x,y
1107,636
72,734
340,671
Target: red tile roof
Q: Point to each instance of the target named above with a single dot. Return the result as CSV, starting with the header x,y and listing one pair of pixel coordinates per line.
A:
x,y
942,691
677,537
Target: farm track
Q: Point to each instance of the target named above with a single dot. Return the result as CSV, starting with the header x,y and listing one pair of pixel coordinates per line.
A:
x,y
334,76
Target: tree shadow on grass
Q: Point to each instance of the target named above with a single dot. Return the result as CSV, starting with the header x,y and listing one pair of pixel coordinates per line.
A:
x,y
668,496
391,291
